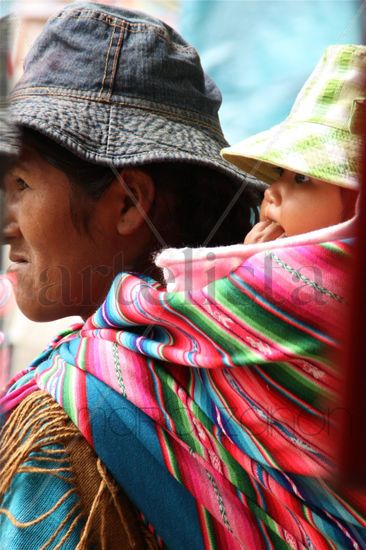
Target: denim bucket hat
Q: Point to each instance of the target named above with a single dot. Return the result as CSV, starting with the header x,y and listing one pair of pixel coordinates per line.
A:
x,y
123,88
9,142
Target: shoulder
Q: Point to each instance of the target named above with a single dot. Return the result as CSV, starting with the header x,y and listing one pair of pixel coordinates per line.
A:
x,y
73,498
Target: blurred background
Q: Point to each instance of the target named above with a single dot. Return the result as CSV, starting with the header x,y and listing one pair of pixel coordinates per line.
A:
x,y
259,52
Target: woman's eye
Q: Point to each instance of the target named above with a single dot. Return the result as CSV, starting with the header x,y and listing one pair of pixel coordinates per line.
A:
x,y
20,183
279,171
300,178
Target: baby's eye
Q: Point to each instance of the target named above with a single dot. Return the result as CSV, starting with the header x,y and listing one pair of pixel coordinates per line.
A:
x,y
300,178
279,171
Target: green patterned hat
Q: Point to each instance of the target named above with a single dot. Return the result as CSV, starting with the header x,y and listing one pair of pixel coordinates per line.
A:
x,y
321,137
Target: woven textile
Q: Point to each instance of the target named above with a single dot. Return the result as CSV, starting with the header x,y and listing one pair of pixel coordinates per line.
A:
x,y
216,409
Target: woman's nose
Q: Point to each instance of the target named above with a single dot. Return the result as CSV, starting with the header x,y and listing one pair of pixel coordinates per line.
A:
x,y
10,229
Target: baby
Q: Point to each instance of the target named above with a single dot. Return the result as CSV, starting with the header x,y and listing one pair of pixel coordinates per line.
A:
x,y
311,159
279,304
296,204
310,162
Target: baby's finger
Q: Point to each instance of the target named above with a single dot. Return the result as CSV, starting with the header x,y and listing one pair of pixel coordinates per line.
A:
x,y
263,224
273,231
256,233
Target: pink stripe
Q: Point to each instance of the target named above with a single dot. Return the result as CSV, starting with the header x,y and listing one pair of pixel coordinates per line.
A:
x,y
13,399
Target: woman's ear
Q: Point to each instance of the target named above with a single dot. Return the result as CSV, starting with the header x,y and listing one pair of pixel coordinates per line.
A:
x,y
138,190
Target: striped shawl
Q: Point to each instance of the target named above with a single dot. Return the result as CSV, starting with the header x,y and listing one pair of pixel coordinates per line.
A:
x,y
216,408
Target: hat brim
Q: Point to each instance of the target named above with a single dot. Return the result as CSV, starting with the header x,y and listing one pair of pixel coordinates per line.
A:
x,y
319,151
123,135
9,142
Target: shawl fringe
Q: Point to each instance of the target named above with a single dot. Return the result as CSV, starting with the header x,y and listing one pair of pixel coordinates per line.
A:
x,y
110,520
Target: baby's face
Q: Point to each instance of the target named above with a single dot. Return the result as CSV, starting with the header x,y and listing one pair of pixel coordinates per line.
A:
x,y
301,204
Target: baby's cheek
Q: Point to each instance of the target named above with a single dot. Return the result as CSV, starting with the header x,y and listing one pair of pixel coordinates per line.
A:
x,y
262,210
348,198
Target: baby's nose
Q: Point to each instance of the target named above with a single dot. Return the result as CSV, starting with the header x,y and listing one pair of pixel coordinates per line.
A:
x,y
267,194
273,193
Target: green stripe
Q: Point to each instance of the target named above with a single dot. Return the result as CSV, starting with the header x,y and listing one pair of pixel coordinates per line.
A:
x,y
295,382
293,339
336,249
80,358
209,528
273,531
269,324
172,459
331,92
344,58
230,344
47,375
68,394
237,475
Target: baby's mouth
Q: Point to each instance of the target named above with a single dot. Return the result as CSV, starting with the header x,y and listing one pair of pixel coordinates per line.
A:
x,y
268,219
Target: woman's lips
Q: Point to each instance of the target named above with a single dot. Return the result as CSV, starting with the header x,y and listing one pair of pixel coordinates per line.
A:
x,y
17,257
17,262
15,266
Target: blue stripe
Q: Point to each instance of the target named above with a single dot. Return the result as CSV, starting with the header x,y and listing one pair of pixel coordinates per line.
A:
x,y
134,458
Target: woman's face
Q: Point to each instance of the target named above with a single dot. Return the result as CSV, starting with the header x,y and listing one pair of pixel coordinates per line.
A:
x,y
59,270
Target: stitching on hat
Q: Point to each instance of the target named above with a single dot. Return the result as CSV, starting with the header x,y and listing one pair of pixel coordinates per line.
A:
x,y
166,147
205,147
119,23
68,95
106,62
146,156
127,25
101,16
109,130
115,59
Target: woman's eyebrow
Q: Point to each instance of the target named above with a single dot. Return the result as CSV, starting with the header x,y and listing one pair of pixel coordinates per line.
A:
x,y
20,164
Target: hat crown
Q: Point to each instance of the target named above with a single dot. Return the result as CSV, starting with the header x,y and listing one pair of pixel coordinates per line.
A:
x,y
122,88
321,137
112,54
333,91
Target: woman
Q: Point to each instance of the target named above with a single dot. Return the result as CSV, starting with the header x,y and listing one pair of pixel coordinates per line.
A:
x,y
120,158
206,407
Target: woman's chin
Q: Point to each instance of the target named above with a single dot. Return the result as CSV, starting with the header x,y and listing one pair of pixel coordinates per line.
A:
x,y
44,313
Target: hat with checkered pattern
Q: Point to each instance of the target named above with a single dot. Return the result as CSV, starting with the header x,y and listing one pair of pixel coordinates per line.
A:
x,y
321,137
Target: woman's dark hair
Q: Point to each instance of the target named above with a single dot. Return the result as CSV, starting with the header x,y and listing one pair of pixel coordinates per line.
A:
x,y
207,206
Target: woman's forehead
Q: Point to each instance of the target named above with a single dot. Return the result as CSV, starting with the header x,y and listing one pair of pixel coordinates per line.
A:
x,y
22,163
33,163
26,159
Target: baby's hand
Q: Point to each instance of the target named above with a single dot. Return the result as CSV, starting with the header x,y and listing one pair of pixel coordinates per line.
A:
x,y
263,232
